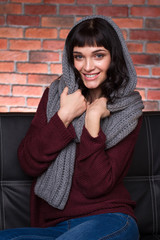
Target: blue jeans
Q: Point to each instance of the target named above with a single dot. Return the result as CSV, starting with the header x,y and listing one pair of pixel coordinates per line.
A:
x,y
115,226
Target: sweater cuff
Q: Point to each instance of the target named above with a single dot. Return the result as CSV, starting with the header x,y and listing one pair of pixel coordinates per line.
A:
x,y
90,145
66,133
101,138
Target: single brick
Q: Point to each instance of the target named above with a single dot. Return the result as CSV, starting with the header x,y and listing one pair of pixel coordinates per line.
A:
x,y
152,23
142,71
12,78
76,10
153,48
17,101
40,9
128,2
3,43
145,11
56,68
22,109
25,44
146,59
53,45
113,11
5,89
41,79
135,47
150,106
23,20
153,2
145,35
59,1
6,66
2,20
156,71
129,22
13,56
57,22
33,102
41,33
10,8
3,109
43,56
32,68
92,2
7,32
26,90
63,33
153,94
148,83
26,1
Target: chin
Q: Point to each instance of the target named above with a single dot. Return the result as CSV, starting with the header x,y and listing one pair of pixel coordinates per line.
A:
x,y
91,86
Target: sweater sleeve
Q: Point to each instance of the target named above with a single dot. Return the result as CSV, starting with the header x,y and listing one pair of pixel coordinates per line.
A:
x,y
99,170
43,141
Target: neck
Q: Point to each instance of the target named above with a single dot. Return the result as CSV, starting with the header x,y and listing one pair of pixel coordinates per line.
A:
x,y
94,94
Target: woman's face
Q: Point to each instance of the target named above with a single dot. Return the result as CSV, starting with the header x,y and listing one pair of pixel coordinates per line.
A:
x,y
92,64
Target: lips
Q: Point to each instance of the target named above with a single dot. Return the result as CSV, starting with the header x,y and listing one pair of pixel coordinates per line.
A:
x,y
92,76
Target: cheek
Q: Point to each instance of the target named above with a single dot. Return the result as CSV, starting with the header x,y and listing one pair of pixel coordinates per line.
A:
x,y
106,66
77,65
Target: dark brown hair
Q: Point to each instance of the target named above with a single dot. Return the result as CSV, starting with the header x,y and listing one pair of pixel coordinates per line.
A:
x,y
98,32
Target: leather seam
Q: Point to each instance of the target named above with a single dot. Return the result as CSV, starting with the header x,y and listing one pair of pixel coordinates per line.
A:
x,y
151,181
155,210
1,177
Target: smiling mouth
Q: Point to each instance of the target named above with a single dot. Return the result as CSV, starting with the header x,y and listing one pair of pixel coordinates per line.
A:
x,y
91,76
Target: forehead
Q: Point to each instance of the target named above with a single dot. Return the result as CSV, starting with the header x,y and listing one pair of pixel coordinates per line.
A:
x,y
88,49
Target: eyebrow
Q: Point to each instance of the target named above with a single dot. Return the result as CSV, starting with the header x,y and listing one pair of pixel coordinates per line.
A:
x,y
96,51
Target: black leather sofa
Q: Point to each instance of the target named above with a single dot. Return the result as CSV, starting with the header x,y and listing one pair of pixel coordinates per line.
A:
x,y
142,181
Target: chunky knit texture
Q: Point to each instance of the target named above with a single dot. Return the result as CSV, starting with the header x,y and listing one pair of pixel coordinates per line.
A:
x,y
54,185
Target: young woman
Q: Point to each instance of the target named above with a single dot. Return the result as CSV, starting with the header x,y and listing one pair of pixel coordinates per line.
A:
x,y
80,143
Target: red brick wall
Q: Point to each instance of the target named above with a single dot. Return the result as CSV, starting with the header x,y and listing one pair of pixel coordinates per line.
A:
x,y
32,35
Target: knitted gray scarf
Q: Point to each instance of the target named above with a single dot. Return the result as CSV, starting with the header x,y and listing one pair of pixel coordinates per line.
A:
x,y
54,185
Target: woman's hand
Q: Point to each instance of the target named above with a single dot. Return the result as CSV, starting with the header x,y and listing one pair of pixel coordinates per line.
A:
x,y
71,106
95,111
98,108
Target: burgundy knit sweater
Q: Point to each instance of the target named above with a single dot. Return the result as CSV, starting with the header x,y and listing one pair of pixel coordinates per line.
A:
x,y
97,185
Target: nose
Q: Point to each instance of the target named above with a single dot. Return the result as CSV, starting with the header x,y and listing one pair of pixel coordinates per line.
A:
x,y
88,65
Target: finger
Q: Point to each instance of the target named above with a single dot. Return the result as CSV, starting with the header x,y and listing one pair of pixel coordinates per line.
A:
x,y
79,90
65,91
108,113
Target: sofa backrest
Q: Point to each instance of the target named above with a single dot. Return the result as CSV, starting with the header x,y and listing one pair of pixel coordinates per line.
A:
x,y
14,183
142,181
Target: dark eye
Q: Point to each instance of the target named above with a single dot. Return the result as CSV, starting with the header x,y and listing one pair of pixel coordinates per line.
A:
x,y
99,55
78,57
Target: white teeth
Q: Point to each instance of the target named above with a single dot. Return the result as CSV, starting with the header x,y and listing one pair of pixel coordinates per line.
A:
x,y
90,76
